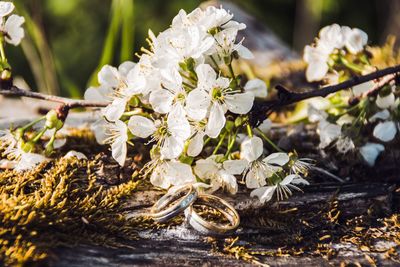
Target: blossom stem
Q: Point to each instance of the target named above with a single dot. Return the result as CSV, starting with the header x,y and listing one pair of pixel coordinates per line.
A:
x,y
351,66
215,62
221,140
269,141
249,130
188,85
232,73
39,135
2,52
29,125
231,143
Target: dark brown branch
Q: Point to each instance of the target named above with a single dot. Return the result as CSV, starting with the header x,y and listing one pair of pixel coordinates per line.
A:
x,y
262,109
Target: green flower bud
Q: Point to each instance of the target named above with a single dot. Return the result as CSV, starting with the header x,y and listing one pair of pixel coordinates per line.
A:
x,y
52,120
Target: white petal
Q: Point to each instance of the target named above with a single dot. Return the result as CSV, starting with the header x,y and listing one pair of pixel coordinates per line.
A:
x,y
6,8
196,144
278,158
15,32
316,70
76,154
345,119
230,182
115,110
216,121
119,150
315,114
360,89
244,52
234,167
197,103
255,177
288,179
257,87
264,194
240,103
265,126
370,152
386,101
172,147
328,132
141,126
178,125
355,40
206,76
204,167
161,100
158,176
108,76
385,131
29,161
100,93
252,148
179,173
99,130
381,115
126,67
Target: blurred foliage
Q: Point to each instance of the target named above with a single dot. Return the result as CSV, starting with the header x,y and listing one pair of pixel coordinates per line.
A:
x,y
82,35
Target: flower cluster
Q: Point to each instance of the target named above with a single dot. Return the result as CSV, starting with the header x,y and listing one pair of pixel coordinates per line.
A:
x,y
330,49
358,120
184,98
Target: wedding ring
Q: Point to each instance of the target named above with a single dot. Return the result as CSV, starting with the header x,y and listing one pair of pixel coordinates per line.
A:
x,y
212,228
173,203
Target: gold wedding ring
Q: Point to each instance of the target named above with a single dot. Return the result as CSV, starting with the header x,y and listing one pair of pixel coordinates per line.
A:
x,y
173,202
212,228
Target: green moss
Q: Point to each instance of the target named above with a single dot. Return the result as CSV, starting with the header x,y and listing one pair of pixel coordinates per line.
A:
x,y
59,202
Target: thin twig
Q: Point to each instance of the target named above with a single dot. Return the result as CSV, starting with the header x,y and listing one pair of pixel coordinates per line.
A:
x,y
262,109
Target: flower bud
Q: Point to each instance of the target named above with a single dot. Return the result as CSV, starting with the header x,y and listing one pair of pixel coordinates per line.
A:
x,y
52,120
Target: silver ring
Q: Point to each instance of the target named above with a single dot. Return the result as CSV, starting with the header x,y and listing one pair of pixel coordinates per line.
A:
x,y
208,227
164,209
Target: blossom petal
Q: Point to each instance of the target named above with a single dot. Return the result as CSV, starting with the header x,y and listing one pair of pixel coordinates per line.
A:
x,y
119,150
264,194
172,147
161,100
196,144
108,76
216,121
257,87
240,103
385,131
230,182
115,110
179,173
235,167
385,101
197,103
252,148
141,126
29,161
177,122
76,154
13,28
6,8
278,158
370,152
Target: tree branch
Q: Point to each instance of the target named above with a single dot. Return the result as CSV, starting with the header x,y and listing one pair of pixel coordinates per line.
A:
x,y
262,109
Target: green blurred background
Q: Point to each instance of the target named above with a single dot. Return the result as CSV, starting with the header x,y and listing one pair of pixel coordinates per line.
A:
x,y
67,40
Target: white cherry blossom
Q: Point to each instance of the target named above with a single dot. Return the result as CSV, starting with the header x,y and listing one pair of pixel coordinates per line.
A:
x,y
282,188
220,96
6,8
387,101
219,175
114,134
170,135
172,172
259,170
328,132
